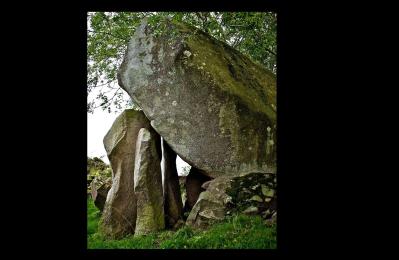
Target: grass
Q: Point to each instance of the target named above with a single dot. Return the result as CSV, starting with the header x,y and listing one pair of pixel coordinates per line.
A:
x,y
237,232
93,216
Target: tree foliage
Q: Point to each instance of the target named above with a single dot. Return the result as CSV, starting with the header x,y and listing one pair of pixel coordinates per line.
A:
x,y
253,34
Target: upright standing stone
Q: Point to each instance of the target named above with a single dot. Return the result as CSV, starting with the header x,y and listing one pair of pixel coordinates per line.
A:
x,y
148,183
172,195
119,215
99,192
194,181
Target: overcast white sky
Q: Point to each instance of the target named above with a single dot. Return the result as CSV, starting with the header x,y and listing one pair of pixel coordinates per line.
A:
x,y
98,125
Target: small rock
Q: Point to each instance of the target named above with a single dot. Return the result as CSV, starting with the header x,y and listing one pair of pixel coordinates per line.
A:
x,y
266,214
272,220
227,200
251,210
256,198
210,214
270,193
264,189
187,53
178,224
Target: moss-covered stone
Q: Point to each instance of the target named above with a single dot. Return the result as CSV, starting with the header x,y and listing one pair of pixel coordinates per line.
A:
x,y
148,183
256,198
253,190
97,171
228,195
213,105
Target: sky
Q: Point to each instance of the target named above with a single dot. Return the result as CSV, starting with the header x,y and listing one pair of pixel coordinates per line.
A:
x,y
98,125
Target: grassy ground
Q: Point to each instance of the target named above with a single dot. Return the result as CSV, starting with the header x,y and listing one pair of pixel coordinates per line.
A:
x,y
236,232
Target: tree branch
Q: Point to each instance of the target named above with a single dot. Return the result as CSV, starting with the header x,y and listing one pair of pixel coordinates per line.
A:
x,y
204,20
109,28
238,25
108,101
107,83
270,51
237,41
110,34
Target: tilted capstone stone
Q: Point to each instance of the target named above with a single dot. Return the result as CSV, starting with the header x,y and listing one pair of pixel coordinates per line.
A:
x,y
214,106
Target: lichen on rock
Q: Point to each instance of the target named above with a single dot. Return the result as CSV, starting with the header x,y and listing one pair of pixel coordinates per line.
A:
x,y
227,101
229,195
148,183
119,215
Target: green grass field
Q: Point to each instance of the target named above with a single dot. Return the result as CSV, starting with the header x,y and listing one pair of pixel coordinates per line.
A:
x,y
237,232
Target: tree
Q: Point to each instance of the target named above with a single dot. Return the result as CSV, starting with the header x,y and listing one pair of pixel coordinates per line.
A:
x,y
185,170
253,34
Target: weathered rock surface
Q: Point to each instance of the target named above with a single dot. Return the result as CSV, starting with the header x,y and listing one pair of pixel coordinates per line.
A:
x,y
173,200
211,204
119,215
227,195
214,106
148,183
99,191
255,190
194,181
272,220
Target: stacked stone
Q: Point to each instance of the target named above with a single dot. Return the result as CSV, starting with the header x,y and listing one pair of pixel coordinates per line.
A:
x,y
215,108
252,194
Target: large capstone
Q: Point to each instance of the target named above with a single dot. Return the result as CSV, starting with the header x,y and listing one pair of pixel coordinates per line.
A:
x,y
148,183
214,106
172,195
119,215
